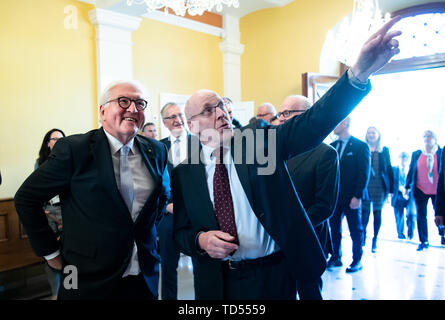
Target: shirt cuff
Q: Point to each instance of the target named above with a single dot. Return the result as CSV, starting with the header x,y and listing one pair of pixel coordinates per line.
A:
x,y
198,248
52,255
356,83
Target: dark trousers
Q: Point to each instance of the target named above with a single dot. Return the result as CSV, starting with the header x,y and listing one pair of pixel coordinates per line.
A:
x,y
366,212
169,259
399,213
310,290
265,281
132,288
421,200
354,219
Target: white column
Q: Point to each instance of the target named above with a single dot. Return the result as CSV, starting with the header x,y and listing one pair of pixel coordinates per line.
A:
x,y
113,45
232,50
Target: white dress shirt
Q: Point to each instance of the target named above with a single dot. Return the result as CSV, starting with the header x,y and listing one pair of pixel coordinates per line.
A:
x,y
143,187
182,147
254,241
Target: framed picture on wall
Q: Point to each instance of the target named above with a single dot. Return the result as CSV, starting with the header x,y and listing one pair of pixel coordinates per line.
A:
x,y
315,85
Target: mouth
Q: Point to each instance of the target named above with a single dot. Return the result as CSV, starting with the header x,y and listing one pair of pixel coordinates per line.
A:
x,y
130,119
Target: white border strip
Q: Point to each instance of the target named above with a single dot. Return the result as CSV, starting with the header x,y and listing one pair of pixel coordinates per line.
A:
x,y
184,23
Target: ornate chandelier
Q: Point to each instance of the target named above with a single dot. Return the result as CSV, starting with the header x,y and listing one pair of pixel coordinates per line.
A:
x,y
366,19
181,7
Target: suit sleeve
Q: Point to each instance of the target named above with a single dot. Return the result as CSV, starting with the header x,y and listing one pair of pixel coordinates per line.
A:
x,y
440,197
50,179
410,175
184,233
320,120
327,184
363,170
165,196
390,172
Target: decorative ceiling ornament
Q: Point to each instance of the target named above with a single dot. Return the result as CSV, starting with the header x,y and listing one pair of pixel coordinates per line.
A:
x,y
366,18
181,7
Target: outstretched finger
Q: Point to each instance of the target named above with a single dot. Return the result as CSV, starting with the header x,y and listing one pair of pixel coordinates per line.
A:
x,y
388,25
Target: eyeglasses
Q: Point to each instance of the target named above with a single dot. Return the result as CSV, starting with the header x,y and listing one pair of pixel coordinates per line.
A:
x,y
287,113
125,103
260,115
54,139
209,111
172,117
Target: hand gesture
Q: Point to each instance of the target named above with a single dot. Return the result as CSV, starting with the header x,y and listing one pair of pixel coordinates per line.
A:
x,y
377,51
217,243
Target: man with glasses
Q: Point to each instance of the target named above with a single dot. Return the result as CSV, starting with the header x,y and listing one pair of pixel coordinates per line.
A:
x,y
247,233
113,184
177,144
265,111
315,175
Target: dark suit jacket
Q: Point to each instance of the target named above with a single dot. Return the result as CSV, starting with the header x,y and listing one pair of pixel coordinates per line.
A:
x,y
272,197
440,196
316,175
98,231
354,171
397,199
411,178
385,171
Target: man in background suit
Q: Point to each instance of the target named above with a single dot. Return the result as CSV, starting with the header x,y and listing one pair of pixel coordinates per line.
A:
x,y
355,166
113,184
177,144
315,175
149,130
242,222
266,111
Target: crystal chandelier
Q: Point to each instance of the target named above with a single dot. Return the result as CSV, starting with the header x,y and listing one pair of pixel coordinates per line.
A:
x,y
366,19
181,7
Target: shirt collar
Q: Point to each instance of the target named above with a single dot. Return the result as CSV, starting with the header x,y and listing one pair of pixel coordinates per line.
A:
x,y
181,137
116,145
209,157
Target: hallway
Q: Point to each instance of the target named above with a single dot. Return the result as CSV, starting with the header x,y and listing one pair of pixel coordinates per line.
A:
x,y
395,272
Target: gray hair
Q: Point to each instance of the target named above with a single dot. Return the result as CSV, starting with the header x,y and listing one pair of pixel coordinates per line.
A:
x,y
105,97
307,102
166,106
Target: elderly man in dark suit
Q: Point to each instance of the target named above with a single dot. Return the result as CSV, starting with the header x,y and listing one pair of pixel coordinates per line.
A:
x,y
113,185
177,144
236,210
355,166
315,175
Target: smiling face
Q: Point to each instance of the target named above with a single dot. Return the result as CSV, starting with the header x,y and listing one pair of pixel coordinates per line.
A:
x,y
372,135
123,124
173,119
212,128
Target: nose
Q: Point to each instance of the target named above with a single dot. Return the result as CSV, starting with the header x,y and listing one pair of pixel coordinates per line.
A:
x,y
132,108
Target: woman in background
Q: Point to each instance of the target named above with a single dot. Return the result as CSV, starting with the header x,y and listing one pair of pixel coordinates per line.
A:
x,y
52,208
381,183
422,182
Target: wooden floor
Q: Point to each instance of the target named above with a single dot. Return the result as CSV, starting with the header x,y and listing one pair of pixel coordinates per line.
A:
x,y
395,272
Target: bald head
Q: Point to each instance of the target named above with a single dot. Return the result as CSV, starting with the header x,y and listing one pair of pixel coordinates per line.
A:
x,y
292,106
266,111
207,117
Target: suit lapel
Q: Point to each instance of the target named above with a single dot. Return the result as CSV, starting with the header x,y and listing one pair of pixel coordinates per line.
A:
x,y
198,189
102,155
243,174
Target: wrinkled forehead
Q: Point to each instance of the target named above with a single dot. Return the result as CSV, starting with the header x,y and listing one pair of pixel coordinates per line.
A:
x,y
201,100
127,90
293,103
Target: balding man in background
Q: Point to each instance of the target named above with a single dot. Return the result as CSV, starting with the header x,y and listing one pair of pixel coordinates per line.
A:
x,y
266,111
355,166
315,175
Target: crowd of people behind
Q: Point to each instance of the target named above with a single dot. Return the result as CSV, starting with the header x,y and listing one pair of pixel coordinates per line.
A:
x,y
250,236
